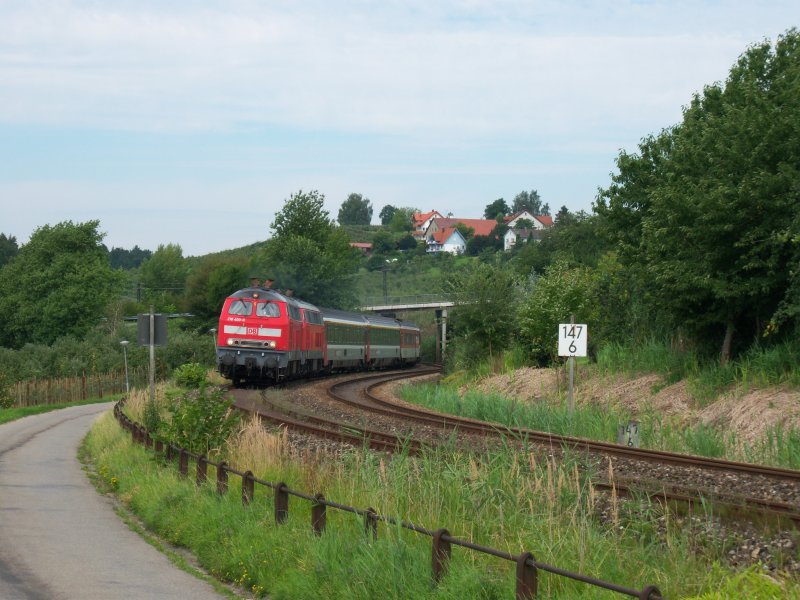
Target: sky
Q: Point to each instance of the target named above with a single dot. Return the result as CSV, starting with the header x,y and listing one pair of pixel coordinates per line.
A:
x,y
188,122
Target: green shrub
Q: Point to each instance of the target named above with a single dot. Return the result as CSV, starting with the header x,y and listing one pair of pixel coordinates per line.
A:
x,y
190,375
201,420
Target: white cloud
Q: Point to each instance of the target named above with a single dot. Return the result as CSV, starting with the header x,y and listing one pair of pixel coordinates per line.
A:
x,y
458,69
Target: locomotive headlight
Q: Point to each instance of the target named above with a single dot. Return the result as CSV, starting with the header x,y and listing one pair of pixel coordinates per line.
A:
x,y
231,341
271,343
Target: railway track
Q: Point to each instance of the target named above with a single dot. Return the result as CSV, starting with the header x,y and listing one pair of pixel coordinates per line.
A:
x,y
732,486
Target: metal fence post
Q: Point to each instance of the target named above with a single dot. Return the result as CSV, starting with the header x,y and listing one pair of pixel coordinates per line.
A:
x,y
183,462
281,503
222,478
318,514
650,592
371,524
441,554
202,470
247,487
527,577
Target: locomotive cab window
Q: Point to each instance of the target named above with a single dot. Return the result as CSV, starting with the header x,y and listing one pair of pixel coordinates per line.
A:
x,y
294,312
267,309
239,307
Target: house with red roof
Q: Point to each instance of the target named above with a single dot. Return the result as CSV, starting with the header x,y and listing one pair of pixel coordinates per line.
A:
x,y
421,221
479,226
538,221
449,240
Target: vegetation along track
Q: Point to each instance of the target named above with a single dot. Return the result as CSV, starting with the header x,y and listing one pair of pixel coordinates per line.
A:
x,y
741,487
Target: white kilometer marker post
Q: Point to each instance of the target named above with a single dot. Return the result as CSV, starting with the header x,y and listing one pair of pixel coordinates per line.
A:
x,y
572,342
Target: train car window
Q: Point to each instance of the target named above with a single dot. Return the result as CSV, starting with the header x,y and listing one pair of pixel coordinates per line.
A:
x,y
313,318
239,307
294,312
267,309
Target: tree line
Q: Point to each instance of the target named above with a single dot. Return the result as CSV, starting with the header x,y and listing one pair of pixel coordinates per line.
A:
x,y
695,239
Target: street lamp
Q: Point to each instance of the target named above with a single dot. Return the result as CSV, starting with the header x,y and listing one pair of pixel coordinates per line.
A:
x,y
124,344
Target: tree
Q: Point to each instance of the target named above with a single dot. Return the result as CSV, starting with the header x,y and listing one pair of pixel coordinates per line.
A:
x,y
310,254
386,214
552,298
484,317
210,283
59,284
402,220
383,242
407,242
531,202
709,208
303,215
465,231
356,210
163,275
128,259
498,207
8,248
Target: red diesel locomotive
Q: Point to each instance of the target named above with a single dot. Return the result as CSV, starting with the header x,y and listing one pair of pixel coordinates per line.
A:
x,y
265,336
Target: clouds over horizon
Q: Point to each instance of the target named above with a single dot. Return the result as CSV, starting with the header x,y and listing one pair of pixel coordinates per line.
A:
x,y
463,68
444,105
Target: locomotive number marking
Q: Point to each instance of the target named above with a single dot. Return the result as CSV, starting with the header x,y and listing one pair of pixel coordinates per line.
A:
x,y
252,331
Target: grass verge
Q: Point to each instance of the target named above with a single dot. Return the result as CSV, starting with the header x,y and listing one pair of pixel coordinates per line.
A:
x,y
12,414
506,500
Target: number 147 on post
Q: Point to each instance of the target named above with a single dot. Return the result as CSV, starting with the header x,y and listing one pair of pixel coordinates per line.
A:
x,y
572,339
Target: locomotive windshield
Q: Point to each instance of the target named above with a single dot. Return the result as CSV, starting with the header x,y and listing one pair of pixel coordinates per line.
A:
x,y
267,309
239,307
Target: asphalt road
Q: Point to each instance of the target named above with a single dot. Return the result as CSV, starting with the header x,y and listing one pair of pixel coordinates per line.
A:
x,y
59,538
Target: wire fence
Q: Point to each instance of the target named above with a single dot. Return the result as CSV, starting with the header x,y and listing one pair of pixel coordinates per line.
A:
x,y
527,567
45,391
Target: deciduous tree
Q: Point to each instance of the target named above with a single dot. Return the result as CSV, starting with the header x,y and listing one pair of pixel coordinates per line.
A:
x,y
59,284
356,210
310,254
498,207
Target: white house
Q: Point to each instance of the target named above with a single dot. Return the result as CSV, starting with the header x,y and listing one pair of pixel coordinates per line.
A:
x,y
538,221
447,240
512,236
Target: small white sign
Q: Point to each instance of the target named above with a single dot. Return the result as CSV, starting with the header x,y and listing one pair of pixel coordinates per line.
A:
x,y
572,339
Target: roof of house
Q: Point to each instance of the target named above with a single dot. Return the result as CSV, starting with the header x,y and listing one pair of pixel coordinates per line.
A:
x,y
361,245
508,218
479,226
545,220
420,218
441,236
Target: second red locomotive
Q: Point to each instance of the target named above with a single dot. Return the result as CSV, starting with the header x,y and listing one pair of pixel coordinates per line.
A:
x,y
264,336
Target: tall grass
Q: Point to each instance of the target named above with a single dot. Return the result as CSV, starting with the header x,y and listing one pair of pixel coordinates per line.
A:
x,y
706,378
505,499
780,447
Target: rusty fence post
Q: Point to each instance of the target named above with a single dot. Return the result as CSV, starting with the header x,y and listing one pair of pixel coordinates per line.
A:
x,y
202,470
319,517
650,592
281,503
440,555
248,483
222,478
183,462
527,577
371,524
168,453
159,446
148,440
